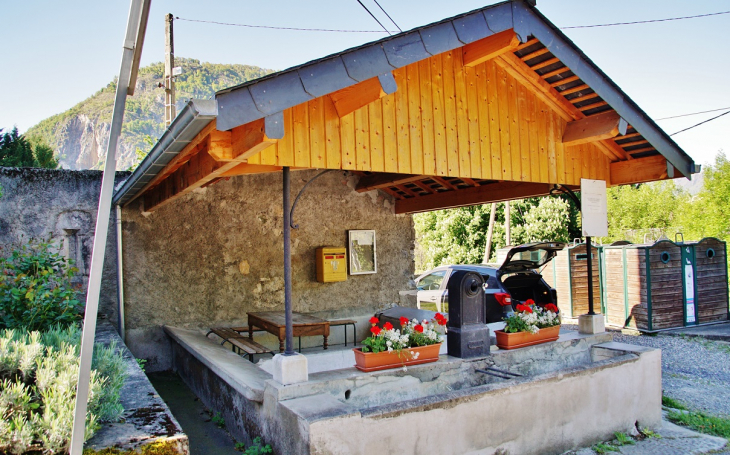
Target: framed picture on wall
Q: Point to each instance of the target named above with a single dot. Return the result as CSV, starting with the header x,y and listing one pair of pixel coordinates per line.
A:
x,y
362,252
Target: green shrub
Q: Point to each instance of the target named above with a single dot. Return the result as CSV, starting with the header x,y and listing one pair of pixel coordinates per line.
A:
x,y
38,376
36,290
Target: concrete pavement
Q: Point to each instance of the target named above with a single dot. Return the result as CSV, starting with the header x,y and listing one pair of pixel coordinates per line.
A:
x,y
670,439
719,331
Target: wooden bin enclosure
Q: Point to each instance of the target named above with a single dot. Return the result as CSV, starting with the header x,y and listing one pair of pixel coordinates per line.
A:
x,y
665,285
568,274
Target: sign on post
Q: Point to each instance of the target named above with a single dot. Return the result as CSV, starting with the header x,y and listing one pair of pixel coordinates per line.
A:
x,y
594,208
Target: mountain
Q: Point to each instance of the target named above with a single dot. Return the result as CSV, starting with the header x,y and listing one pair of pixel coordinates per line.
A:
x,y
81,134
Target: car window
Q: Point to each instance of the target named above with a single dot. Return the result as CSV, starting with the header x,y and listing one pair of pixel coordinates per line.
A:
x,y
491,281
432,281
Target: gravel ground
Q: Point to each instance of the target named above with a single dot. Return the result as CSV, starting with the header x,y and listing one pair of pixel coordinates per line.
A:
x,y
695,371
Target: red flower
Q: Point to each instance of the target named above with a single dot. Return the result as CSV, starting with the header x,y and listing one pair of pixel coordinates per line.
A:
x,y
403,320
375,330
551,307
440,319
529,302
388,326
524,308
418,328
374,320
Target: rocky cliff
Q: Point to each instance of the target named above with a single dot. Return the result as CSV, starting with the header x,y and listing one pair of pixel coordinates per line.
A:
x,y
80,135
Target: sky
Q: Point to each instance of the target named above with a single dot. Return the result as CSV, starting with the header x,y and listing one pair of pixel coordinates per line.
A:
x,y
57,54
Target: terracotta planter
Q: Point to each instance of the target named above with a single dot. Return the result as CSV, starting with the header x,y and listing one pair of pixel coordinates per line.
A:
x,y
368,361
520,339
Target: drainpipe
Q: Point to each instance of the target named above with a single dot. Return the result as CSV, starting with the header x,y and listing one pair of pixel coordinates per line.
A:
x,y
120,274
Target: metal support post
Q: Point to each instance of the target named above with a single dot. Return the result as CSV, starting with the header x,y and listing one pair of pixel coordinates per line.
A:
x,y
289,350
590,275
132,46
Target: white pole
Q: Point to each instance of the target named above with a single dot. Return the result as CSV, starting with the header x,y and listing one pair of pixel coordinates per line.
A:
x,y
134,23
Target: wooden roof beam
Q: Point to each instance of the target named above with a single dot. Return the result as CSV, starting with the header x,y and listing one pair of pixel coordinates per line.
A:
x,y
525,75
592,129
223,151
640,170
493,192
382,180
490,47
350,99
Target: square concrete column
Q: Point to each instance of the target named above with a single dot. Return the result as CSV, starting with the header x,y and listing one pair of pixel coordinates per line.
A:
x,y
591,323
290,369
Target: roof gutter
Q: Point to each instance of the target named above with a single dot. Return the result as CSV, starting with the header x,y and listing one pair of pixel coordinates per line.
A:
x,y
195,116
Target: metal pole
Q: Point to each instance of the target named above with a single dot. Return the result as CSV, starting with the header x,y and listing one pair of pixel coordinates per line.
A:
x,y
590,275
287,265
136,21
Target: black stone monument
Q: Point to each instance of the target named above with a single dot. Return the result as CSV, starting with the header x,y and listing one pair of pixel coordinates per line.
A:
x,y
468,334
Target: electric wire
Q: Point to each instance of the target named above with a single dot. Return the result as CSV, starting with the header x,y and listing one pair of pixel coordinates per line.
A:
x,y
373,16
693,113
301,29
386,13
647,21
701,123
272,27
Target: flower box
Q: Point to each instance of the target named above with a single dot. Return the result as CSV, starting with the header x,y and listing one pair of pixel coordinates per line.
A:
x,y
507,340
369,361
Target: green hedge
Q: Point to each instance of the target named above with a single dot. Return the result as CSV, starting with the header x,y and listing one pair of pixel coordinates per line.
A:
x,y
38,377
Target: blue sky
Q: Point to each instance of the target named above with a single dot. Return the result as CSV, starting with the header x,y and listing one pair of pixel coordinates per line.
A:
x,y
57,54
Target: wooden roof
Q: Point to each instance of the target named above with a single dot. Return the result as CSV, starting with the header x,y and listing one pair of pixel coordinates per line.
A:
x,y
505,109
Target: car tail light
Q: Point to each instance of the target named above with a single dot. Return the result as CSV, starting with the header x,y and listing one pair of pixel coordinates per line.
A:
x,y
503,298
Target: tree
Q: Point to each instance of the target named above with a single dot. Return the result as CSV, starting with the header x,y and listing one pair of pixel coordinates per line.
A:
x,y
635,209
17,151
546,221
458,236
709,213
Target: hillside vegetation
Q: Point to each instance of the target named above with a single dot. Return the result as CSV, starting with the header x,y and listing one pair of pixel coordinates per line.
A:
x,y
80,135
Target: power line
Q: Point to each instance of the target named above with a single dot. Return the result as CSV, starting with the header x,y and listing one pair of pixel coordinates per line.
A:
x,y
693,113
701,123
300,29
386,13
279,28
373,16
647,21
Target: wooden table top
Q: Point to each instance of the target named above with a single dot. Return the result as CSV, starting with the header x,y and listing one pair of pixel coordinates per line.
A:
x,y
278,318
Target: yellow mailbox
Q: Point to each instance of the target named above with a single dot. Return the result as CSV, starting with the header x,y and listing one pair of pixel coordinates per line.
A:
x,y
331,264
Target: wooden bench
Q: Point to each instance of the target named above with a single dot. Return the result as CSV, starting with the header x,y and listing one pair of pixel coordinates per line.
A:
x,y
345,323
240,342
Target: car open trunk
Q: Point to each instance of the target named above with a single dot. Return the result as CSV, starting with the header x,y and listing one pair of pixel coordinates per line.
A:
x,y
524,286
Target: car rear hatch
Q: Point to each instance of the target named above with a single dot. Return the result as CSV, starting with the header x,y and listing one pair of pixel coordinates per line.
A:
x,y
530,256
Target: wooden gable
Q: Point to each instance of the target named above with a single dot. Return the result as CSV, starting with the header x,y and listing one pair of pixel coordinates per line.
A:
x,y
493,120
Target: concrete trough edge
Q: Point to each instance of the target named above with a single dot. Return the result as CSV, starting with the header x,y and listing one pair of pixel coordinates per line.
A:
x,y
233,369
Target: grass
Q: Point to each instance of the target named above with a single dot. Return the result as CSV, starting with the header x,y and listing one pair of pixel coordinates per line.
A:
x,y
672,403
622,439
715,426
218,420
604,448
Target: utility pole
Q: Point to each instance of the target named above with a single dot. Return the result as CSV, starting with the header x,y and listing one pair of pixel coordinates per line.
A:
x,y
507,223
490,234
169,78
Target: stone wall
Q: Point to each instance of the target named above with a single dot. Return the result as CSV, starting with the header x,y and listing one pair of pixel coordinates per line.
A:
x,y
59,206
210,257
